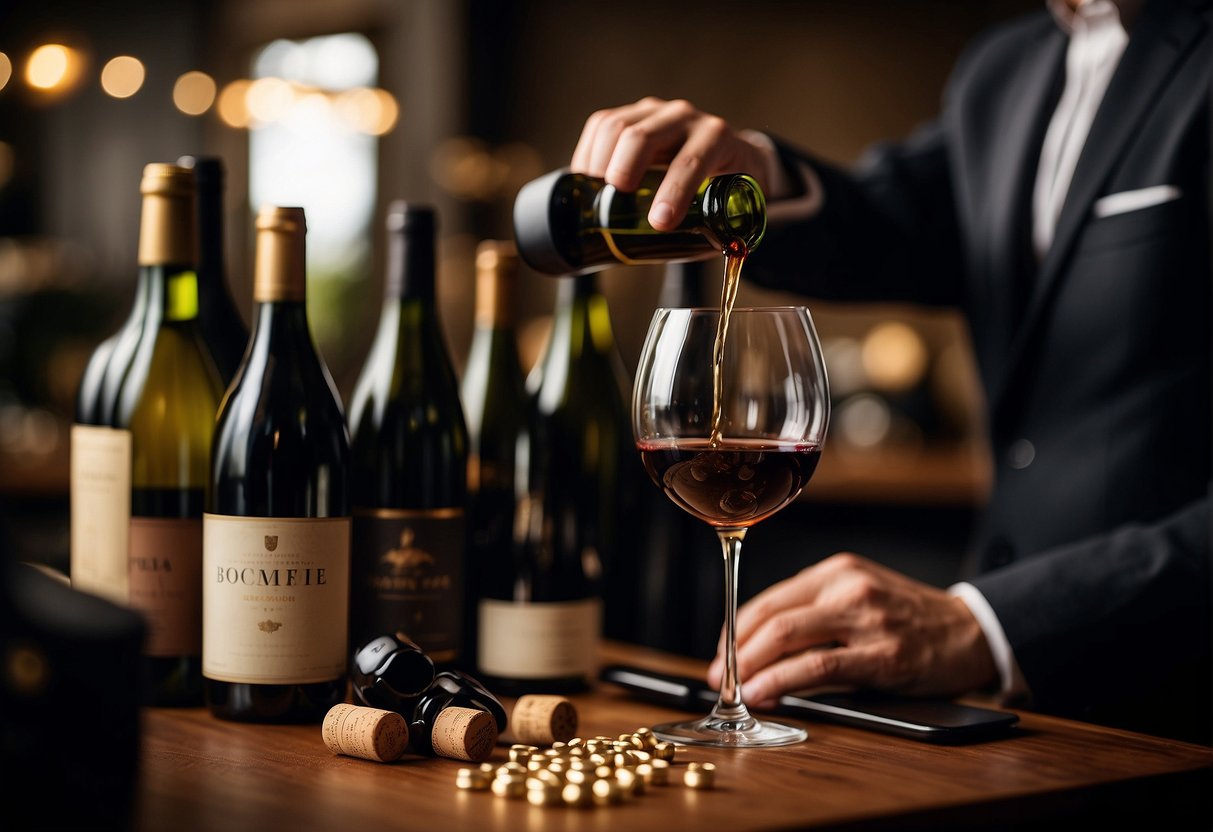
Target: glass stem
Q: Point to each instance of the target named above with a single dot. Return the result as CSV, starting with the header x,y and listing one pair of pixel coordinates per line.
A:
x,y
729,706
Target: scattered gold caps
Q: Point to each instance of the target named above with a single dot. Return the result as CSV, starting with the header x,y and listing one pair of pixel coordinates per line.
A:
x,y
369,733
577,794
543,793
664,750
700,776
520,752
606,792
473,779
568,773
658,773
543,719
508,787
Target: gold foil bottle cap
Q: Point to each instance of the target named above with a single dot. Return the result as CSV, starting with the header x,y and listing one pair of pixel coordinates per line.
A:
x,y
496,278
543,719
464,734
369,733
280,270
167,234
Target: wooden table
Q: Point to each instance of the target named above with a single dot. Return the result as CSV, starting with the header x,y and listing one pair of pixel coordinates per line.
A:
x,y
201,773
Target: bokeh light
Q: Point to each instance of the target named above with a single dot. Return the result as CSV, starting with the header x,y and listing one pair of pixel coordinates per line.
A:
x,y
269,99
366,110
6,70
122,76
194,92
52,66
233,104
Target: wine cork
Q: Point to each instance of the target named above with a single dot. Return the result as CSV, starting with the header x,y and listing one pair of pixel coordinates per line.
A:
x,y
369,733
464,734
543,719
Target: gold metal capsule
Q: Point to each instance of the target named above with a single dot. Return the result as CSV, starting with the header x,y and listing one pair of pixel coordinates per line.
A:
x,y
700,776
508,787
606,792
659,773
576,794
472,779
544,794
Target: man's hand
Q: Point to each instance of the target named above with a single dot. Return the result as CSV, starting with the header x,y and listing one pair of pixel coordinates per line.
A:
x,y
850,622
619,144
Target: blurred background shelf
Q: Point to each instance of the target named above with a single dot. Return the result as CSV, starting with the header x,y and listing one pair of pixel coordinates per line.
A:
x,y
946,475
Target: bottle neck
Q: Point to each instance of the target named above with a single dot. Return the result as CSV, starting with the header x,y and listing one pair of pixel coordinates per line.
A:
x,y
582,319
494,301
411,264
210,238
171,293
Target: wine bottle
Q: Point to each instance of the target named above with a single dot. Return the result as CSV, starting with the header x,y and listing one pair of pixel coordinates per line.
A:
x,y
167,403
495,404
100,455
541,621
569,223
223,329
669,609
409,443
276,536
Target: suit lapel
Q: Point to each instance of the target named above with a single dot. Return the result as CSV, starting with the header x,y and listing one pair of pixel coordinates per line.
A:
x,y
1155,46
1021,121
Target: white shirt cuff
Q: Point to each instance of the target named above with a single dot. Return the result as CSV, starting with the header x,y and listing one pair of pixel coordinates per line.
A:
x,y
779,183
1013,687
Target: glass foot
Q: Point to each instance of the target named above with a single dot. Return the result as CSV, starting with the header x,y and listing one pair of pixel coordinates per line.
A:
x,y
730,733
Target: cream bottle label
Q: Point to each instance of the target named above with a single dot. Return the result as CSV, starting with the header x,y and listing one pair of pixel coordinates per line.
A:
x,y
275,599
539,641
166,583
100,494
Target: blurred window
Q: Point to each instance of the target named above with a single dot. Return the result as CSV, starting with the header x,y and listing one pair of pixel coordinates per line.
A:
x,y
306,151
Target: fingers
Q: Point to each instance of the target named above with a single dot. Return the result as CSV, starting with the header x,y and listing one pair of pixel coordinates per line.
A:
x,y
601,133
621,143
837,666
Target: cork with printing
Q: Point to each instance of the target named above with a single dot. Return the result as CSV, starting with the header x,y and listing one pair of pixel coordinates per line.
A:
x,y
369,733
464,734
543,719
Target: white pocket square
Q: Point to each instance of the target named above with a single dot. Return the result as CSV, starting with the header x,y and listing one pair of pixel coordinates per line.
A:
x,y
1126,201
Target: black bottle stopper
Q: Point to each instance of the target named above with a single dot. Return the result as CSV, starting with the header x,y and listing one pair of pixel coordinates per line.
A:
x,y
391,672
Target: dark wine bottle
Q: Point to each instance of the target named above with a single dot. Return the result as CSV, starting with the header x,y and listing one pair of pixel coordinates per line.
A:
x,y
167,402
568,223
671,586
409,445
542,620
223,329
495,404
276,538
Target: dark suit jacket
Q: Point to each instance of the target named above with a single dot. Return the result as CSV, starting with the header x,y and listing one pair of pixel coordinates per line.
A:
x,y
1096,555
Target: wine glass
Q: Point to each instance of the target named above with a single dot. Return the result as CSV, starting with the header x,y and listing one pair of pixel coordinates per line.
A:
x,y
731,441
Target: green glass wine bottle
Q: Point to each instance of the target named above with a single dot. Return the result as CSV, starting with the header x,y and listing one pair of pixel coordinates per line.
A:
x,y
541,622
495,405
568,223
167,402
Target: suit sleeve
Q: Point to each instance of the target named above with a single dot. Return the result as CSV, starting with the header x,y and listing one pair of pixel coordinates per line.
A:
x,y
886,231
1097,642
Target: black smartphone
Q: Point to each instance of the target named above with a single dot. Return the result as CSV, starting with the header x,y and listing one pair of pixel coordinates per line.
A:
x,y
928,720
